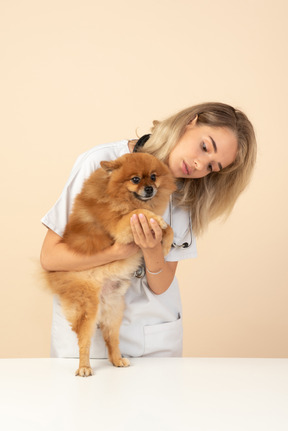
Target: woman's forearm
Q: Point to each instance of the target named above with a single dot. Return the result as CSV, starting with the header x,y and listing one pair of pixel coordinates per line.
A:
x,y
159,273
56,256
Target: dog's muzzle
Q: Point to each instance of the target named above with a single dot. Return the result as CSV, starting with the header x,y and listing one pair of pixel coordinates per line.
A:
x,y
148,193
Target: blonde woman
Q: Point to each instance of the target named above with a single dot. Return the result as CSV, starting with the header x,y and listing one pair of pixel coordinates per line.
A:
x,y
211,150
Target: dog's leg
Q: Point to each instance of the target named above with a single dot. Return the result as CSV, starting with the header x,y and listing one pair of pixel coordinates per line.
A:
x,y
85,329
167,239
125,233
111,318
167,231
80,309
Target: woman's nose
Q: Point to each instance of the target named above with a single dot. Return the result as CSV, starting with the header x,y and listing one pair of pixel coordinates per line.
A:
x,y
198,164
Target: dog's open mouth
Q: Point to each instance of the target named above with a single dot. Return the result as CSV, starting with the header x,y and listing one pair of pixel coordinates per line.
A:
x,y
146,196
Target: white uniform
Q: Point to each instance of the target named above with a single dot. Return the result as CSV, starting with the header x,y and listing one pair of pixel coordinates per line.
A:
x,y
152,324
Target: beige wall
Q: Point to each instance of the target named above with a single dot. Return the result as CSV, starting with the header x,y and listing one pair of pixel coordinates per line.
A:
x,y
79,73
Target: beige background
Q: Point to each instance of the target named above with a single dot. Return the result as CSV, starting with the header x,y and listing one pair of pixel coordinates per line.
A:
x,y
79,73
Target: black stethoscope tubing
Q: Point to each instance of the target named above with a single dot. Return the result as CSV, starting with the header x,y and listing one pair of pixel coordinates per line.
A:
x,y
185,244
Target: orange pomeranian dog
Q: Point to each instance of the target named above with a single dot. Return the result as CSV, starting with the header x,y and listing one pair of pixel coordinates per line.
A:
x,y
132,184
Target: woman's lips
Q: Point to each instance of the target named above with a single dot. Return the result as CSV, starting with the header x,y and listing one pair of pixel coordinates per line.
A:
x,y
185,168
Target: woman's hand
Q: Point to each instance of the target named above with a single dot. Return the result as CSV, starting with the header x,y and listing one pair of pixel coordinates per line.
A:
x,y
145,237
123,251
158,272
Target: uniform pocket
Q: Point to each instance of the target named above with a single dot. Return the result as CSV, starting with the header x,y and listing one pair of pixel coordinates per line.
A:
x,y
164,339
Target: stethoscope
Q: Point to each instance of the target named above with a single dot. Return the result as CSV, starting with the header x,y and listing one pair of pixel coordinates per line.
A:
x,y
184,244
140,272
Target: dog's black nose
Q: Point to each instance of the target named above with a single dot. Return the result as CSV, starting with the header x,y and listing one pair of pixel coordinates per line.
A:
x,y
148,190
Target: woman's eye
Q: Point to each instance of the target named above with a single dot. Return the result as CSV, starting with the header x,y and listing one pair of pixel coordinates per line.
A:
x,y
135,180
204,147
153,177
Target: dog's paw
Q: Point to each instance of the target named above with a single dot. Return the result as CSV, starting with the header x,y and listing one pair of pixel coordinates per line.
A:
x,y
162,223
121,362
167,240
84,372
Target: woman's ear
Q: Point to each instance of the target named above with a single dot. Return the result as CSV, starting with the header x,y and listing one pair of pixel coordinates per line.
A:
x,y
193,122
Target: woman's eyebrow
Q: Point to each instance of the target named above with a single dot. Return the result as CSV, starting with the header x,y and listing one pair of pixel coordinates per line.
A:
x,y
214,144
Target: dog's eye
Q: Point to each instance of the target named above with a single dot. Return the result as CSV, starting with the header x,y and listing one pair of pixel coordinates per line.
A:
x,y
135,180
153,177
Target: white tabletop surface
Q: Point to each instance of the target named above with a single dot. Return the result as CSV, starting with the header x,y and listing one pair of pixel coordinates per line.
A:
x,y
152,394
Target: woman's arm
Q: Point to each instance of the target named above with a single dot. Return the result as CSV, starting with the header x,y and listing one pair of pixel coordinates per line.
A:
x,y
56,256
159,273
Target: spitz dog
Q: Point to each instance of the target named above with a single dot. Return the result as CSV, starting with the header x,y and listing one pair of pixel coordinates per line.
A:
x,y
132,184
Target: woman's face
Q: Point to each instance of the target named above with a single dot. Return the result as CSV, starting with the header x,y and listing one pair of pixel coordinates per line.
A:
x,y
202,150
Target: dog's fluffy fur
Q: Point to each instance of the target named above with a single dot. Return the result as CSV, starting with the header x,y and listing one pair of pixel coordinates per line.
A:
x,y
134,183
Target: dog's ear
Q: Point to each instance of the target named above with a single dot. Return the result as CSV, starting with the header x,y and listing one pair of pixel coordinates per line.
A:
x,y
110,166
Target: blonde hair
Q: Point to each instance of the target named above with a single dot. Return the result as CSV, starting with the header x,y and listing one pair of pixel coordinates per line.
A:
x,y
215,194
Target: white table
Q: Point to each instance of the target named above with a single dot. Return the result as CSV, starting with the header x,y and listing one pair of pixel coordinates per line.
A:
x,y
153,394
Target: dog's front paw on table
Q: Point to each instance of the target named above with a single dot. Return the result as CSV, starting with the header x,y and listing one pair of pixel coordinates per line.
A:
x,y
84,372
121,362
